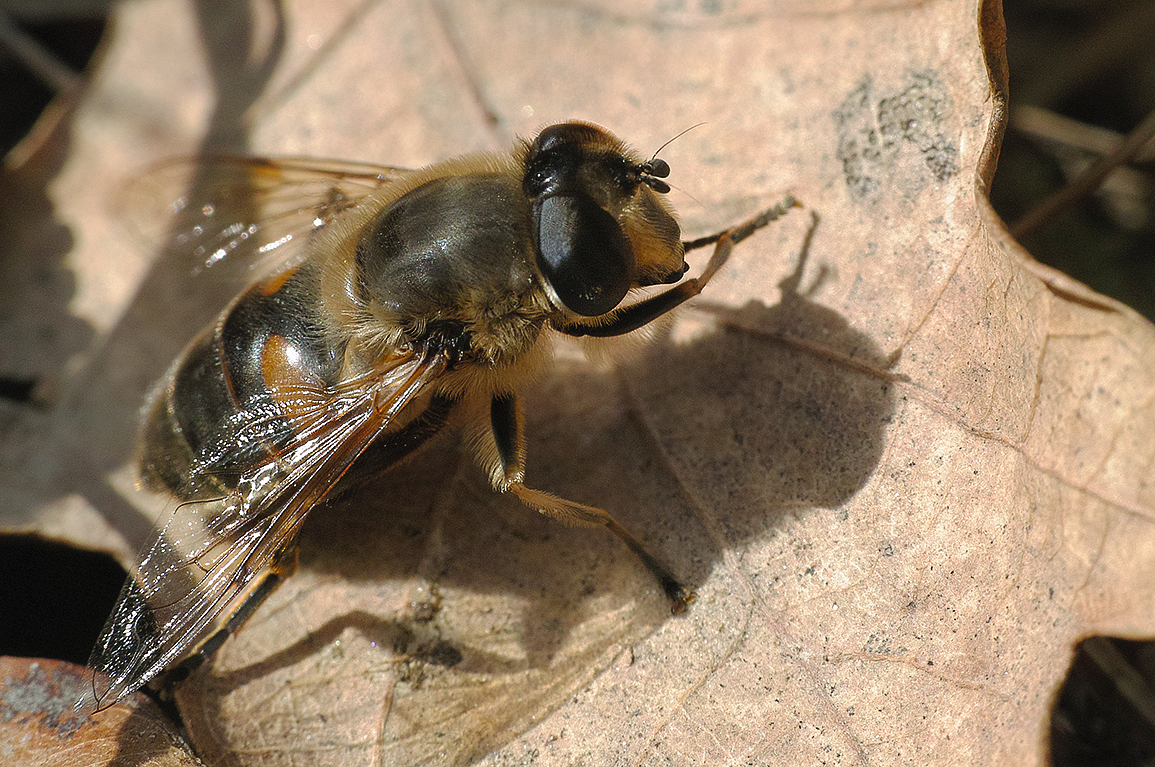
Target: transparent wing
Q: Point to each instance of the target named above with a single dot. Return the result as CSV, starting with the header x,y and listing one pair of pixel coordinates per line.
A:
x,y
209,208
202,563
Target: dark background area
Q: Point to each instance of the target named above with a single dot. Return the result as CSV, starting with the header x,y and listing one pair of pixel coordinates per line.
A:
x,y
1082,77
1082,80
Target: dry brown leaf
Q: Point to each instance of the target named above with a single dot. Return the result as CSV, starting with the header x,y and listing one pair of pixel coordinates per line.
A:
x,y
38,724
905,467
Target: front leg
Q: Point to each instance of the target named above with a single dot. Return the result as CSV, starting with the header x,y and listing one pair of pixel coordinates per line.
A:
x,y
508,477
634,316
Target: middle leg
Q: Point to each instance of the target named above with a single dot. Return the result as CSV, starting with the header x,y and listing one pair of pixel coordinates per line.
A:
x,y
509,477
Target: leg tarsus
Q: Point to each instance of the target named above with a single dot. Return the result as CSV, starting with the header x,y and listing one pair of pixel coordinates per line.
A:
x,y
508,477
680,598
746,228
577,513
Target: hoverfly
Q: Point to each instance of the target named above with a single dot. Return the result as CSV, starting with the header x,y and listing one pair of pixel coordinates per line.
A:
x,y
414,291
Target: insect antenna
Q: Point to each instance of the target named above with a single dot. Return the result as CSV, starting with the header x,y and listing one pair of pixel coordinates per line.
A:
x,y
671,141
653,170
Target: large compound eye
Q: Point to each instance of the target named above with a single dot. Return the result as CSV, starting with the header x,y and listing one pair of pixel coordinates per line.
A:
x,y
584,253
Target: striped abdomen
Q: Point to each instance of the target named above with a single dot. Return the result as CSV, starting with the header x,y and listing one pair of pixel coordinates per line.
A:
x,y
216,415
232,400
